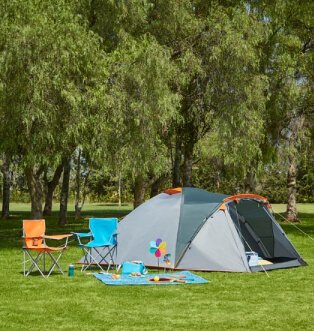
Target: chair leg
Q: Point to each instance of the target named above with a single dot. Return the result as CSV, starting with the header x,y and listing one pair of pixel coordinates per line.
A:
x,y
55,263
35,262
107,255
104,257
117,258
111,261
24,263
95,260
85,261
44,262
92,259
111,253
114,255
89,258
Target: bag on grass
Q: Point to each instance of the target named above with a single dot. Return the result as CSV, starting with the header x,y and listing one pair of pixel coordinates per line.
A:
x,y
134,266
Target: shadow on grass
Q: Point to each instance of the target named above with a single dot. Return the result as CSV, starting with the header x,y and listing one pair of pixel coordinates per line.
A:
x,y
11,229
306,224
303,215
111,205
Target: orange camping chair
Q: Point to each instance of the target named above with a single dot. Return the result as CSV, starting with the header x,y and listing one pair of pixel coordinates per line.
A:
x,y
35,242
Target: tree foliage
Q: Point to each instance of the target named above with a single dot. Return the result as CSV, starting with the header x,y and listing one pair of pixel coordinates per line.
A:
x,y
150,90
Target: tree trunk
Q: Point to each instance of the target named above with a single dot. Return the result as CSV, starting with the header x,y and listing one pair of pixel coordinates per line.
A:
x,y
78,187
250,181
176,176
80,196
51,186
119,190
296,126
139,191
64,196
155,187
187,164
217,180
35,190
292,213
6,187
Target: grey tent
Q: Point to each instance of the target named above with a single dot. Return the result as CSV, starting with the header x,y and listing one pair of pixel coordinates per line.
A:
x,y
206,231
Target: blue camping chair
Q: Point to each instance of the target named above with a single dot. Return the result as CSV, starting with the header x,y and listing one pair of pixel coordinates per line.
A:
x,y
102,248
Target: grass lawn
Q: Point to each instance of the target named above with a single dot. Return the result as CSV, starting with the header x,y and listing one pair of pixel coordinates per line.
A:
x,y
230,301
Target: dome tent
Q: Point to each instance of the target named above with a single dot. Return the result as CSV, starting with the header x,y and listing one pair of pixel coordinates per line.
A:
x,y
206,231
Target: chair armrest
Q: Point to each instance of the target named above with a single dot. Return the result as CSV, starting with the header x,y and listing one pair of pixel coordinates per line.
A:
x,y
80,235
58,236
83,234
114,236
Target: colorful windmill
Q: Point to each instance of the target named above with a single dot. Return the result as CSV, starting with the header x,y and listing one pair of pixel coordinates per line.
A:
x,y
167,259
158,248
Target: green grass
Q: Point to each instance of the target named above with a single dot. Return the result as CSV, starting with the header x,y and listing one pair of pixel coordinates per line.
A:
x,y
230,301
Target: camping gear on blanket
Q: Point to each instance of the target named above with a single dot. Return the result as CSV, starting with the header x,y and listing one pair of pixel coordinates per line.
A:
x,y
252,258
167,279
103,242
34,241
134,267
255,260
206,231
264,262
178,278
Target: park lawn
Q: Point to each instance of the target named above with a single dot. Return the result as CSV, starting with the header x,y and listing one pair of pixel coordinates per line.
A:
x,y
230,301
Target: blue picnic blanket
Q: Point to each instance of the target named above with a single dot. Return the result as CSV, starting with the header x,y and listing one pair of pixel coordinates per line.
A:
x,y
189,278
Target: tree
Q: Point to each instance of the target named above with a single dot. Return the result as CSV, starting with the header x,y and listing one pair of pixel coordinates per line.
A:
x,y
64,194
6,186
143,105
215,51
288,55
50,185
140,96
50,64
82,172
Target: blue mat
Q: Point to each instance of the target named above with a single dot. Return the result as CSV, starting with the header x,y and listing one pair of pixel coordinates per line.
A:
x,y
189,278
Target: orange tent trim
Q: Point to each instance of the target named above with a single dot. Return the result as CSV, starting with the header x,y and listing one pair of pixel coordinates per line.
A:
x,y
267,204
245,196
171,191
222,207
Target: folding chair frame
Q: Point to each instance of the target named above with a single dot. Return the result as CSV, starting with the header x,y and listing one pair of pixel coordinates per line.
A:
x,y
90,260
42,251
36,259
108,258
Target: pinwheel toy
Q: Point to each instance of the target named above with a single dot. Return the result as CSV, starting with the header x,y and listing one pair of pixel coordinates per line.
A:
x,y
158,248
167,259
